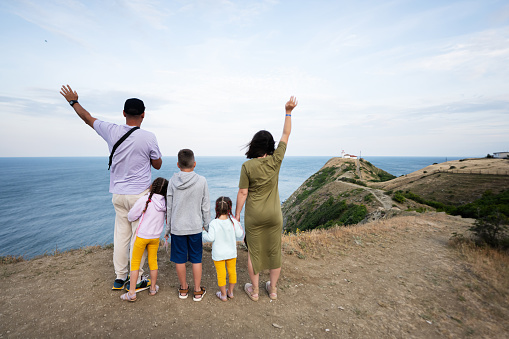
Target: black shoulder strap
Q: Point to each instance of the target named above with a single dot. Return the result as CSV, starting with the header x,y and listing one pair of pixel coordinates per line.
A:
x,y
121,140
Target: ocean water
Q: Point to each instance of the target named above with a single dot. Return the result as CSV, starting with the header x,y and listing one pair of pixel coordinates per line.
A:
x,y
64,203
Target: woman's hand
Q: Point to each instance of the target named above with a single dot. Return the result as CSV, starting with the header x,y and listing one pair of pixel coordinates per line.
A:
x,y
291,104
241,199
287,128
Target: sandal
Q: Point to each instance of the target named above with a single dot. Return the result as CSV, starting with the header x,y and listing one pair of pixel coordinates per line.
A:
x,y
253,294
229,295
153,292
183,292
128,297
271,291
198,296
220,296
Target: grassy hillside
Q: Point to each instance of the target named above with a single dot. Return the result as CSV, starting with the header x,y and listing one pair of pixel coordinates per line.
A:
x,y
346,191
336,195
455,182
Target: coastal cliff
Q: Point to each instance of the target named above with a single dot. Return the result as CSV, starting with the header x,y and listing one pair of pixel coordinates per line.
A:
x,y
348,191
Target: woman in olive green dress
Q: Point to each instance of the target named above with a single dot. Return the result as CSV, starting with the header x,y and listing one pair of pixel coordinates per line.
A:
x,y
263,220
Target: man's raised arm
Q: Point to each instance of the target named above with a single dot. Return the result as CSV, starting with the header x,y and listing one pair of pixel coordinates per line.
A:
x,y
72,98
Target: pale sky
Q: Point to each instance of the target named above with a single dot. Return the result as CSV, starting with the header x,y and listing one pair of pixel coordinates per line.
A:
x,y
409,78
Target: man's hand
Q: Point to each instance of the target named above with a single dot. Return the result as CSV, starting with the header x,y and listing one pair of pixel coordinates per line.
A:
x,y
68,93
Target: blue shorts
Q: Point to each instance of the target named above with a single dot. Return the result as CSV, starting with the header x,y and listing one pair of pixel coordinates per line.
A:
x,y
186,248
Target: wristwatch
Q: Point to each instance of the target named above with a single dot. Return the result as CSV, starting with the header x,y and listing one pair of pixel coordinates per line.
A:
x,y
72,102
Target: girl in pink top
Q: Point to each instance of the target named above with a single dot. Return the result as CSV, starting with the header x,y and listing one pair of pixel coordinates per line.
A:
x,y
151,210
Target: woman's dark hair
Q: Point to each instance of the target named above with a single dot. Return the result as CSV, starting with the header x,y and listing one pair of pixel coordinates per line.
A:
x,y
261,144
159,186
224,207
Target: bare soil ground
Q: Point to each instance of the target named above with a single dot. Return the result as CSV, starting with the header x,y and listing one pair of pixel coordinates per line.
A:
x,y
394,278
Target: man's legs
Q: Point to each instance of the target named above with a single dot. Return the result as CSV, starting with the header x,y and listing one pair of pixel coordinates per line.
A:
x,y
123,234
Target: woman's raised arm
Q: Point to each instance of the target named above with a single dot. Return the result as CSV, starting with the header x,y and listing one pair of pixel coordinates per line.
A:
x,y
287,128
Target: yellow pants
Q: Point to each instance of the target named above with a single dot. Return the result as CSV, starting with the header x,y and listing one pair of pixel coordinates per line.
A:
x,y
221,271
152,246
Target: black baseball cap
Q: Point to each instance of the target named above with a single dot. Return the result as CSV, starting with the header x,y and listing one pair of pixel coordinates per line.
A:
x,y
134,106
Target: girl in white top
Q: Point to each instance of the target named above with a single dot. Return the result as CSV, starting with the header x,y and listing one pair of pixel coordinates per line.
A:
x,y
223,233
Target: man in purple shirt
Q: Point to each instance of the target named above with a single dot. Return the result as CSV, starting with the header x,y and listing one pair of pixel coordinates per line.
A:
x,y
130,175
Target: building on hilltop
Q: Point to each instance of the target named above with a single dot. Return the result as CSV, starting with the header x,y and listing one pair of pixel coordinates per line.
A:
x,y
347,156
500,155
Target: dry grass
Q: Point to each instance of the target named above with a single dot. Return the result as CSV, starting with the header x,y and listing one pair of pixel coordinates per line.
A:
x,y
487,263
321,241
10,259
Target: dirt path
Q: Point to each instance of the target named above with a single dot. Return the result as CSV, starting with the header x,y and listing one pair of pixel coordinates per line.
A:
x,y
382,198
393,278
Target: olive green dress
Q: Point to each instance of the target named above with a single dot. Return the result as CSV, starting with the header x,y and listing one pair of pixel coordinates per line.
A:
x,y
263,219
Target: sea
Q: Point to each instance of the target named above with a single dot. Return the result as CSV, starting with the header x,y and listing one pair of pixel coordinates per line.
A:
x,y
57,204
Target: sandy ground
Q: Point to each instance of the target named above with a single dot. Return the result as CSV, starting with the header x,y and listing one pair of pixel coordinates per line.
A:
x,y
396,278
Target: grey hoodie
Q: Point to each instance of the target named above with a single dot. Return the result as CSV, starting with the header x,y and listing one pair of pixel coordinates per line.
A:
x,y
187,204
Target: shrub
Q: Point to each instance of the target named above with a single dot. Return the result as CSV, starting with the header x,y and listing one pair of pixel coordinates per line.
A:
x,y
487,205
353,181
398,197
385,176
330,213
492,230
368,197
316,181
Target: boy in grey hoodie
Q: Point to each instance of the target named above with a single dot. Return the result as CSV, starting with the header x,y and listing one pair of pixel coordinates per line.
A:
x,y
188,210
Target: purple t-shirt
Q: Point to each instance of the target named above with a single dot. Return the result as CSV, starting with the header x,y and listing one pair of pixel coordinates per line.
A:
x,y
130,168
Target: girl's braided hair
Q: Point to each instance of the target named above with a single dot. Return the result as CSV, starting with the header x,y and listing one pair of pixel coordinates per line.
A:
x,y
224,207
159,186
